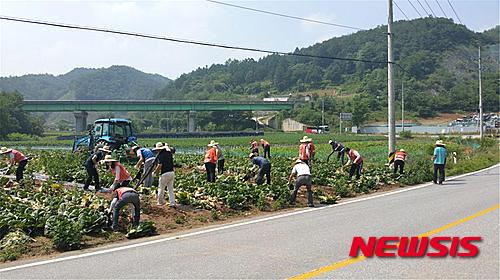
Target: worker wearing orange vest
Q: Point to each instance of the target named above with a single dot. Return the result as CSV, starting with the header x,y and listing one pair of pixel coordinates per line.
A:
x,y
15,157
121,197
399,161
267,148
304,149
122,176
254,147
210,161
356,162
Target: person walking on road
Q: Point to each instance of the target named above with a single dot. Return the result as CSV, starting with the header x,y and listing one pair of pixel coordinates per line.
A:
x,y
399,161
91,167
303,178
122,176
254,147
146,161
304,149
121,197
338,148
167,175
210,161
266,147
439,159
264,167
355,161
15,157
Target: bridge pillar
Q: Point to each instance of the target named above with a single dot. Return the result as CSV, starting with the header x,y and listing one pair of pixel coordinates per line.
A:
x,y
191,121
81,121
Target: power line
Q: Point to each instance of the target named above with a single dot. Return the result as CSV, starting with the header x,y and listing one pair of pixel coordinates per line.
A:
x,y
397,6
441,9
427,13
286,16
430,8
415,8
454,11
186,41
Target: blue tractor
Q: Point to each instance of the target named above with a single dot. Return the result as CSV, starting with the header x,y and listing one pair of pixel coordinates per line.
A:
x,y
117,133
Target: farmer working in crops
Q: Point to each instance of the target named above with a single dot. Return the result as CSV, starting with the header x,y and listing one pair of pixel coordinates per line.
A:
x,y
146,161
304,149
167,174
439,159
91,167
254,147
355,161
399,161
15,157
266,147
122,196
122,176
210,161
264,167
220,157
303,178
338,148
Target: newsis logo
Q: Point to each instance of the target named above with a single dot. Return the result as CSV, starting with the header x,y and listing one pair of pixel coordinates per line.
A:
x,y
414,247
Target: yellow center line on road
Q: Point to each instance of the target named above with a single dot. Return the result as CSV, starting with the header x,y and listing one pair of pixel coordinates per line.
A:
x,y
346,262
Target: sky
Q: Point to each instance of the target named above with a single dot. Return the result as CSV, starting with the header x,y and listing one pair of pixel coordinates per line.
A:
x,y
34,49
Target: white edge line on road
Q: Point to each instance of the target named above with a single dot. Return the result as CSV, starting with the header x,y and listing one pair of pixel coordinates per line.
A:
x,y
232,225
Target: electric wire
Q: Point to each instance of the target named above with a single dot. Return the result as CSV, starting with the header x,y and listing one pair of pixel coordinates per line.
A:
x,y
284,15
397,6
427,13
454,11
415,8
441,9
186,41
430,8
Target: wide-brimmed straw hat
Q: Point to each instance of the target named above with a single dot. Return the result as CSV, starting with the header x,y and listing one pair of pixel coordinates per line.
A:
x,y
440,143
305,139
251,155
161,146
4,150
213,143
402,150
109,158
106,149
298,161
330,141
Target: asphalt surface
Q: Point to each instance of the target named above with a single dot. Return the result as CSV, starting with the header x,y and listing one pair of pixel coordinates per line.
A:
x,y
296,244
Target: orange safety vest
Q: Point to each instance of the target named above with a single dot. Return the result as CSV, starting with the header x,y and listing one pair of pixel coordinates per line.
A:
x,y
400,156
123,190
352,155
18,156
312,149
124,175
211,155
303,155
255,145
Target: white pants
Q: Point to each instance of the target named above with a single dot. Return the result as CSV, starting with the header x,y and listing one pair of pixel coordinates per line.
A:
x,y
166,179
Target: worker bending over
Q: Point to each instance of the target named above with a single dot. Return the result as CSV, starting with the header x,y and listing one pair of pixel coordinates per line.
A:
x,y
355,161
264,167
303,178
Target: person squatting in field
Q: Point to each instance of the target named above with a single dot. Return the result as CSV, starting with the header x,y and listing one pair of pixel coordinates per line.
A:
x,y
15,157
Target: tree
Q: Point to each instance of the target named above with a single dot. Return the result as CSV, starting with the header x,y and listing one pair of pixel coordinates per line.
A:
x,y
14,119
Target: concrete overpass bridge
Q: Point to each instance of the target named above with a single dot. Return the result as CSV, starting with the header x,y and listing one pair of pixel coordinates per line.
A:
x,y
81,107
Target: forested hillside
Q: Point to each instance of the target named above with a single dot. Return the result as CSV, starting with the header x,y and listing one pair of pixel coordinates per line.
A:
x,y
115,82
437,62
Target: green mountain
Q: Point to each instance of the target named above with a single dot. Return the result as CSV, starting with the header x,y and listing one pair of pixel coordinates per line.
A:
x,y
437,61
113,83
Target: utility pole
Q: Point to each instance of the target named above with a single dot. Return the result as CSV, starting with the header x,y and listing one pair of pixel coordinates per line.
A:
x,y
480,99
390,83
402,107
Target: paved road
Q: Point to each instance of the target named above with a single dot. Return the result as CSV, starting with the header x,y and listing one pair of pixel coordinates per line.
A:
x,y
296,244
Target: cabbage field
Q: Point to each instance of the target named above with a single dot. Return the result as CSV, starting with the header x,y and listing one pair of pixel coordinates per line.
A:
x,y
52,213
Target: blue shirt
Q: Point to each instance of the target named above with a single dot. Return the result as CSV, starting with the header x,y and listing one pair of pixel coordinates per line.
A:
x,y
146,153
260,161
440,155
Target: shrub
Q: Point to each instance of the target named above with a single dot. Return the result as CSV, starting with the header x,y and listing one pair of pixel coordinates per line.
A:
x,y
406,134
67,235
